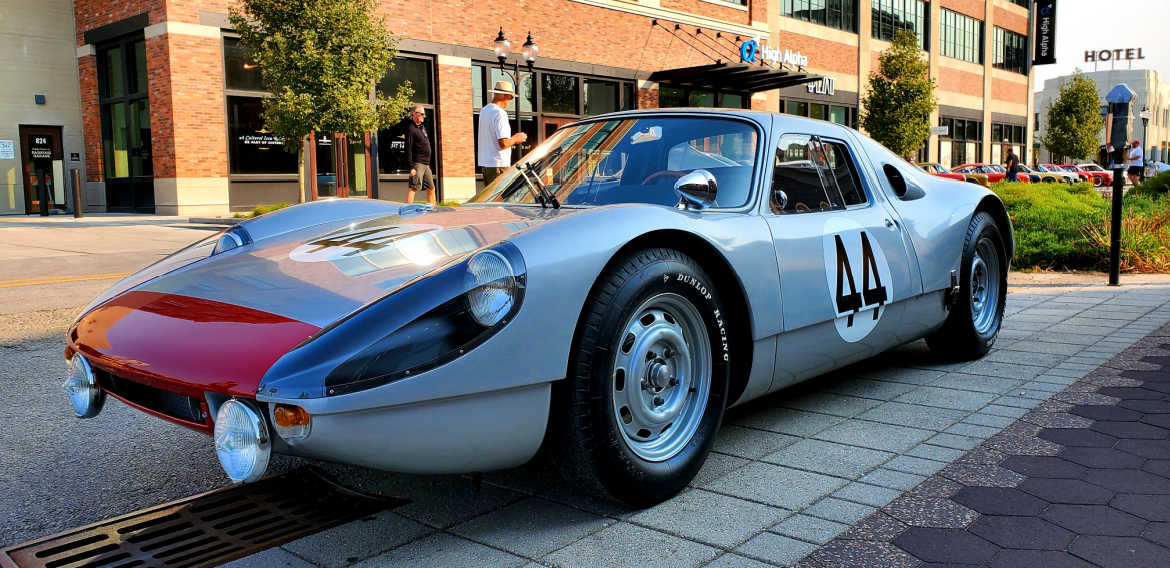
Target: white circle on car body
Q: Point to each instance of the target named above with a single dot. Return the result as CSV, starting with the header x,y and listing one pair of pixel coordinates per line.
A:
x,y
858,277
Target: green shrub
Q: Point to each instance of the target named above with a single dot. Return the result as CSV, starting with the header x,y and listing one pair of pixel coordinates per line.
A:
x,y
1062,227
262,209
1157,185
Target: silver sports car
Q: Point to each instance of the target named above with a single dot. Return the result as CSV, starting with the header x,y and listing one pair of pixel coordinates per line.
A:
x,y
609,296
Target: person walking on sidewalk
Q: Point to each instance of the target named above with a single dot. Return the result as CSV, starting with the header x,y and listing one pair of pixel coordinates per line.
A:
x,y
495,137
1012,163
418,154
1136,161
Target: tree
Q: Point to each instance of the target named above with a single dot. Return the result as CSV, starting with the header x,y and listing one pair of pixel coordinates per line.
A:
x,y
901,97
1074,119
320,59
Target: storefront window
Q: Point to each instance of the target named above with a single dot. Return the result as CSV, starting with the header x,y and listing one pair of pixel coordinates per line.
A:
x,y
962,36
843,115
415,71
251,148
962,143
558,94
525,92
600,96
1003,135
392,141
890,16
799,108
239,73
840,14
699,98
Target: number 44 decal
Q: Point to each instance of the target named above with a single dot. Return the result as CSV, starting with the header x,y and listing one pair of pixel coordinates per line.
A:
x,y
870,295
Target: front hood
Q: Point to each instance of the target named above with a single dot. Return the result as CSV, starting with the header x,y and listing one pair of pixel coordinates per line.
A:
x,y
321,273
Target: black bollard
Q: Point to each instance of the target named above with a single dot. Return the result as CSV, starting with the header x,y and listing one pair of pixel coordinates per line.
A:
x,y
1118,98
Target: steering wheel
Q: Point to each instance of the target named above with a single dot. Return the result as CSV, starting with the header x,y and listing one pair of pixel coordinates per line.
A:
x,y
654,177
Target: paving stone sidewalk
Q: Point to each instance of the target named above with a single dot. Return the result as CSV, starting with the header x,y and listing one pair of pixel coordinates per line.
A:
x,y
1082,480
791,473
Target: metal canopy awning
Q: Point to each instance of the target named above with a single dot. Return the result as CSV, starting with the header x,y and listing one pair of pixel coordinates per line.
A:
x,y
732,77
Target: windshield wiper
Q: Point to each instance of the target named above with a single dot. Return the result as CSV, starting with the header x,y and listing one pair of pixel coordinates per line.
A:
x,y
543,196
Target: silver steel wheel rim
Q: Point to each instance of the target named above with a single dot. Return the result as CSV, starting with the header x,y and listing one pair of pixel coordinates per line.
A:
x,y
984,286
661,377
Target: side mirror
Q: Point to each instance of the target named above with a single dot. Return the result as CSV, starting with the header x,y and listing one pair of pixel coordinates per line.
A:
x,y
696,190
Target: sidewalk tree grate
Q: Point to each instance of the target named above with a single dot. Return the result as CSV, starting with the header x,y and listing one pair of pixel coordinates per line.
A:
x,y
207,529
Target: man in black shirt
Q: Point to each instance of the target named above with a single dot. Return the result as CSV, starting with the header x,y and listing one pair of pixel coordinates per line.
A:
x,y
1012,163
418,154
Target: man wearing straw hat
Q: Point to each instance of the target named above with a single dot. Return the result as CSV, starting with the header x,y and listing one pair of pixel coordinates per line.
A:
x,y
495,137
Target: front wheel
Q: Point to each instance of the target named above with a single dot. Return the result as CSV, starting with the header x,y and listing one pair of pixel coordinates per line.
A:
x,y
977,314
648,378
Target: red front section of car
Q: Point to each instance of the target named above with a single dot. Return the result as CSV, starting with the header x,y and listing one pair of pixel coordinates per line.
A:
x,y
161,353
992,176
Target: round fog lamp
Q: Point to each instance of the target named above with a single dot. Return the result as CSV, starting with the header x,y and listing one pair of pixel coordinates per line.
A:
x,y
81,386
241,441
492,287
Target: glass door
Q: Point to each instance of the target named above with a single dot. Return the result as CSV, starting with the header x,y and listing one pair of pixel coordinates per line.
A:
x,y
125,115
325,166
40,153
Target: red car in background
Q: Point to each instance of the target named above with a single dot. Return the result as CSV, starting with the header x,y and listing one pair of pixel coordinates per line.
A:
x,y
995,173
1096,177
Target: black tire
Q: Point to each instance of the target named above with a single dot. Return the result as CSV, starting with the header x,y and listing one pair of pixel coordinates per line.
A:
x,y
597,452
961,337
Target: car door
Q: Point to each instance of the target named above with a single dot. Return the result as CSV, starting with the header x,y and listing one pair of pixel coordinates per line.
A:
x,y
842,259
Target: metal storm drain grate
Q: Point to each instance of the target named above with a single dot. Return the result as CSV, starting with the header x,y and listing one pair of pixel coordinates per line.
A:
x,y
207,529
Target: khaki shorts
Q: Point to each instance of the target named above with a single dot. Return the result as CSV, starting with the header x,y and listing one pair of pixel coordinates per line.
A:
x,y
490,174
422,177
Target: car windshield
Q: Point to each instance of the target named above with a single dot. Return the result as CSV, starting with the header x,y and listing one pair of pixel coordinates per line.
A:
x,y
1091,168
995,169
632,160
1069,168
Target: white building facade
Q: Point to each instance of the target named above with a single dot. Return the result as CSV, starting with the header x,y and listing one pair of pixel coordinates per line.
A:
x,y
1150,93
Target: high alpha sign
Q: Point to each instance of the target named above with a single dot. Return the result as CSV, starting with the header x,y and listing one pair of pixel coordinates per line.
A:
x,y
1045,33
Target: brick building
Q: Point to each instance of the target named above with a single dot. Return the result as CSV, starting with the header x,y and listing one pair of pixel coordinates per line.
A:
x,y
170,104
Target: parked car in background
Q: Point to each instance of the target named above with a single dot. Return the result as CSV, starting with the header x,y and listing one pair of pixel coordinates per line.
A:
x,y
1069,177
1098,177
1154,168
937,169
620,286
1040,176
995,173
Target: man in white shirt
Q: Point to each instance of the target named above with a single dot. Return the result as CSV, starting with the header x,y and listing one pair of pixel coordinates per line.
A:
x,y
495,137
1135,159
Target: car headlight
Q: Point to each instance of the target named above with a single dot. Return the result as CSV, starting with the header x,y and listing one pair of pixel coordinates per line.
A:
x,y
81,386
412,330
241,441
492,286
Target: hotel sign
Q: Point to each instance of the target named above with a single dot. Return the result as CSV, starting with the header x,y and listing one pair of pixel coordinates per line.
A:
x,y
1045,48
1127,54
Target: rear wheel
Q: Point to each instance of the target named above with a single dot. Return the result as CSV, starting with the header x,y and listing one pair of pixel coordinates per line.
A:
x,y
648,378
977,314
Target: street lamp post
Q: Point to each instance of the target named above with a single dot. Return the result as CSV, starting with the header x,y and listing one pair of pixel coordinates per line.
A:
x,y
528,52
1145,114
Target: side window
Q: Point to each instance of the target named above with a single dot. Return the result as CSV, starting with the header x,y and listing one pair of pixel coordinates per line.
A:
x,y
796,176
840,169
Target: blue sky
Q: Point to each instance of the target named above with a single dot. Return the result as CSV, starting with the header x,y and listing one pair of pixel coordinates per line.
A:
x,y
1083,25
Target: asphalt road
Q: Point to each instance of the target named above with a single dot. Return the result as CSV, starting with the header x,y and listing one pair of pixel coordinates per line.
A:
x,y
57,472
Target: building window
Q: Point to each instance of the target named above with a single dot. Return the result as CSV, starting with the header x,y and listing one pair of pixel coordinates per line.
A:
x,y
240,74
419,72
669,96
1008,51
843,115
1036,121
962,36
564,97
840,14
890,16
1012,135
963,142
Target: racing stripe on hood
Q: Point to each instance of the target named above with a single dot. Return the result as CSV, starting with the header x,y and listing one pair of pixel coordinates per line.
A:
x,y
187,344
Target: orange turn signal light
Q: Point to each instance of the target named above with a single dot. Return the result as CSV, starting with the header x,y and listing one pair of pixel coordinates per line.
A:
x,y
290,416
